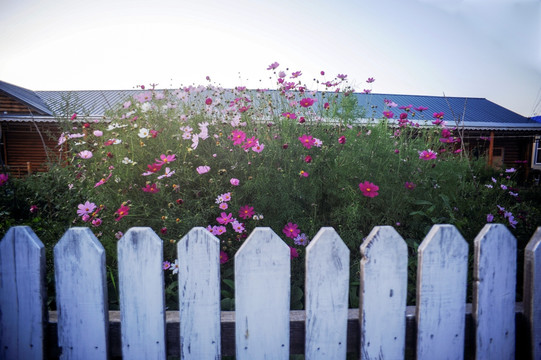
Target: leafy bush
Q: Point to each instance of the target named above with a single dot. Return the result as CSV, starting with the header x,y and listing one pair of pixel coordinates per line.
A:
x,y
291,159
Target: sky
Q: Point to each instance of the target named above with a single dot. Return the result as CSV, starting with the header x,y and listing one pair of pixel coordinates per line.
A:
x,y
469,48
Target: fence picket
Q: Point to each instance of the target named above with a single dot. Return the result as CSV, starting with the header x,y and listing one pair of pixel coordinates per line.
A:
x,y
384,287
494,289
262,297
441,294
22,294
81,295
199,295
142,307
532,291
326,296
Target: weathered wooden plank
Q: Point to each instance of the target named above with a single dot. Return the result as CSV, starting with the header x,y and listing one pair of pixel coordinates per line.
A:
x,y
494,287
262,297
532,291
383,293
81,295
142,304
326,296
22,294
441,294
199,295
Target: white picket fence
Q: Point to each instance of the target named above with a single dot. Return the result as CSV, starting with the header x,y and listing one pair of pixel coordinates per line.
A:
x,y
262,294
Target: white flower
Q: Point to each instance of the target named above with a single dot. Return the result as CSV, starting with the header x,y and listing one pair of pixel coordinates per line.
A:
x,y
174,267
146,107
143,133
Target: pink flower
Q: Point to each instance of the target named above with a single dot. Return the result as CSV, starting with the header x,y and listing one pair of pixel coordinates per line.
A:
x,y
369,189
246,211
85,154
121,212
438,115
291,230
150,189
238,227
289,115
164,159
273,66
296,74
322,73
367,91
202,169
409,185
33,209
302,120
224,218
98,133
307,141
208,101
303,173
223,257
420,108
86,208
251,142
234,181
326,106
258,147
238,136
96,222
73,117
370,80
342,139
223,206
306,102
427,155
308,159
341,76
166,265
3,179
293,252
103,181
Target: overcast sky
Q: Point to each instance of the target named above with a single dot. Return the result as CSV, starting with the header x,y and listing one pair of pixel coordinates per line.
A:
x,y
472,48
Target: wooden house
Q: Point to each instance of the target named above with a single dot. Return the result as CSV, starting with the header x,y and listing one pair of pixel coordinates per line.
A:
x,y
28,124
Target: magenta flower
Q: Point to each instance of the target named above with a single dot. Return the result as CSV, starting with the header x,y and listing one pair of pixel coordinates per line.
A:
x,y
367,91
370,80
33,209
86,208
341,76
151,188
85,154
208,101
223,257
427,155
3,179
103,181
238,136
291,230
342,139
224,218
250,143
438,115
166,265
96,222
308,159
307,141
307,102
326,106
296,74
303,173
246,211
73,117
273,66
388,114
293,252
421,108
409,185
121,212
234,181
202,169
289,115
369,189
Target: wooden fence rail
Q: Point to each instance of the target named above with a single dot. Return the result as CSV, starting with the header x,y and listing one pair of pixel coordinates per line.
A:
x,y
262,326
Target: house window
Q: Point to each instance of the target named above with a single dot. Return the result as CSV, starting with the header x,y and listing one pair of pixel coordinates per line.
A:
x,y
536,158
497,157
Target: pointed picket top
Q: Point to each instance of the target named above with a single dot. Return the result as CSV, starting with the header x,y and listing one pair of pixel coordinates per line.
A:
x,y
81,295
326,295
142,304
199,295
383,294
262,297
532,291
494,289
441,294
22,294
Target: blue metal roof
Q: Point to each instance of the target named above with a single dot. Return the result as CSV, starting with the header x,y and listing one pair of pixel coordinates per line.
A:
x,y
472,113
28,97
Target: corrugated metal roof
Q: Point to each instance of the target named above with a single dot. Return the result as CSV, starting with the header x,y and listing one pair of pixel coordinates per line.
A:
x,y
85,102
26,96
472,113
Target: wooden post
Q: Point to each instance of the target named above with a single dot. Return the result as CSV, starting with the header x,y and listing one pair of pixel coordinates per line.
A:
x,y
491,149
532,292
